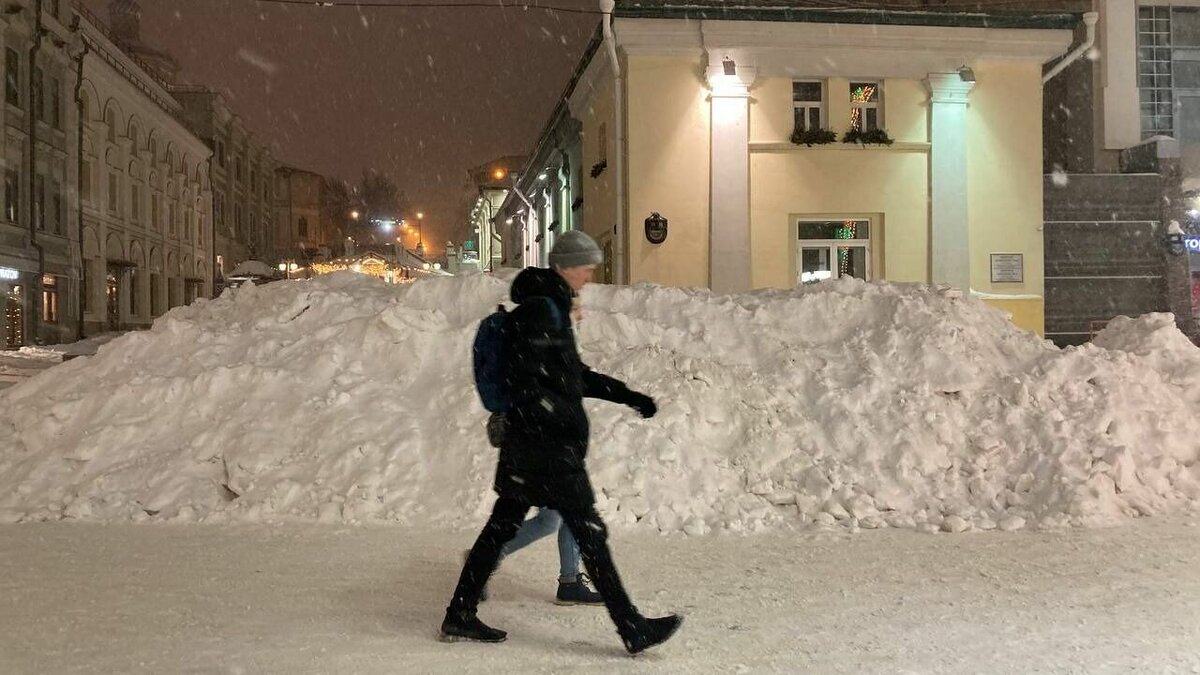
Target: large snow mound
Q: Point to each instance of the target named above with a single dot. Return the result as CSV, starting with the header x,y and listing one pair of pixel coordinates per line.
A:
x,y
344,399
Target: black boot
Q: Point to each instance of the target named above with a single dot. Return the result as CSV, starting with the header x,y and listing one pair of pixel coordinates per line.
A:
x,y
461,626
577,592
641,634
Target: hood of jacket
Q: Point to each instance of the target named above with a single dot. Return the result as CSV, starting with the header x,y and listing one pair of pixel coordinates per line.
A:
x,y
535,282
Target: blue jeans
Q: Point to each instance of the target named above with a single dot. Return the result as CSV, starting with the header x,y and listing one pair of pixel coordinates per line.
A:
x,y
547,522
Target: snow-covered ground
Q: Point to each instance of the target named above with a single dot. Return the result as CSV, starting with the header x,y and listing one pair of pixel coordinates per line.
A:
x,y
21,364
344,399
17,367
303,598
276,416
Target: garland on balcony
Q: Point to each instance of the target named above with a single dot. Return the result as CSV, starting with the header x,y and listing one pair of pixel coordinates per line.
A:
x,y
811,137
868,137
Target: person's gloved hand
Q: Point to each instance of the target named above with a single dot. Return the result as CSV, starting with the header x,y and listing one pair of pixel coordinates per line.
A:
x,y
497,427
641,403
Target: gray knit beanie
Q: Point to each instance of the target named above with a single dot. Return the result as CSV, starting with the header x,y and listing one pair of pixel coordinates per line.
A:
x,y
574,248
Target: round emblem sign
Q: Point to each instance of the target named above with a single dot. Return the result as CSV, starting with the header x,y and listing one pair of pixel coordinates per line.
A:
x,y
656,228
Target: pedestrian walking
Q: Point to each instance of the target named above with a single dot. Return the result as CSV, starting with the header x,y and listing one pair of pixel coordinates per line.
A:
x,y
544,445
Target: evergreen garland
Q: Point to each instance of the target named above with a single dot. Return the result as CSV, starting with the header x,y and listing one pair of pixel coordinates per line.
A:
x,y
869,137
811,137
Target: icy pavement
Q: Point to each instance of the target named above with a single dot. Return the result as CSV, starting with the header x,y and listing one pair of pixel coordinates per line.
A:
x,y
124,598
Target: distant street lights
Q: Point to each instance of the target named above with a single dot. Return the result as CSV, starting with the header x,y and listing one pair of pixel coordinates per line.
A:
x,y
287,268
420,233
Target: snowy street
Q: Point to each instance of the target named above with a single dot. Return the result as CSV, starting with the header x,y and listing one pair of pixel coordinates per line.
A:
x,y
17,367
124,598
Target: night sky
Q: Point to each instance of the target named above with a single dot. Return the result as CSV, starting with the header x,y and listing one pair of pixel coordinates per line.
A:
x,y
420,94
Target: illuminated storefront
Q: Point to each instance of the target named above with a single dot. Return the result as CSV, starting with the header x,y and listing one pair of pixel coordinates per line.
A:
x,y
12,293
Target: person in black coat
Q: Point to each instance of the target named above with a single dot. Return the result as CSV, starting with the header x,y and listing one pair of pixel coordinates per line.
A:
x,y
542,455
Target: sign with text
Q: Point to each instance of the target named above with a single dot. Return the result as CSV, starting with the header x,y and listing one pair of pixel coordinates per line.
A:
x,y
1008,268
1192,243
9,274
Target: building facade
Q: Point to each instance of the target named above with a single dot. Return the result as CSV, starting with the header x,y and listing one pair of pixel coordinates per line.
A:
x,y
546,195
303,234
488,185
144,190
697,181
39,229
242,175
1122,159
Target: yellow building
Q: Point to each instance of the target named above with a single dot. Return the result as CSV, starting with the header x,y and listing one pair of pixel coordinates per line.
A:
x,y
696,119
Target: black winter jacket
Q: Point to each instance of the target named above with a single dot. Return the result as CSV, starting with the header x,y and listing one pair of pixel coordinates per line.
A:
x,y
542,456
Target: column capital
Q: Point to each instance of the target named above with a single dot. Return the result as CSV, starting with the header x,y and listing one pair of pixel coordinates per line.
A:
x,y
948,87
731,86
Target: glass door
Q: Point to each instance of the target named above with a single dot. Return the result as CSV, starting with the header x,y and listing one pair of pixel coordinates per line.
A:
x,y
113,291
14,316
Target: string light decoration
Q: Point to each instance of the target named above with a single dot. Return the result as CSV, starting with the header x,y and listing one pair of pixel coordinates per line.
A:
x,y
848,230
864,93
14,318
371,266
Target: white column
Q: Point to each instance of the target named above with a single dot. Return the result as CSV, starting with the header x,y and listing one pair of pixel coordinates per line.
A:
x,y
729,212
949,240
1118,44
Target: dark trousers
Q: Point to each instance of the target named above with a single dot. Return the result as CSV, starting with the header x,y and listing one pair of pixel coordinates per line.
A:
x,y
589,532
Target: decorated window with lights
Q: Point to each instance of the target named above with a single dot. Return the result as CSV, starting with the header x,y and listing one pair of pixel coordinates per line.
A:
x,y
831,249
866,106
808,104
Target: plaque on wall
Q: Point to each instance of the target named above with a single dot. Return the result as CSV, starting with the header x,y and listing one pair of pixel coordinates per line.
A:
x,y
1008,268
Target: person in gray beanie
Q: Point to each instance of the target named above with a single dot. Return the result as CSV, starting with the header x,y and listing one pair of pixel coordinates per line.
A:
x,y
574,248
544,446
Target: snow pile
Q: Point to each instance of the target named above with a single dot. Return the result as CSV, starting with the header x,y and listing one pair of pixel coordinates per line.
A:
x,y
868,405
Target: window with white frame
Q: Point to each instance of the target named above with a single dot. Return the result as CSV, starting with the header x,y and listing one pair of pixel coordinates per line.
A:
x,y
1155,86
831,249
866,109
808,105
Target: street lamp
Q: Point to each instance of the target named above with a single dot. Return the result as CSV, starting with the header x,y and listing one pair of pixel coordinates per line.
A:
x,y
287,268
420,232
355,214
